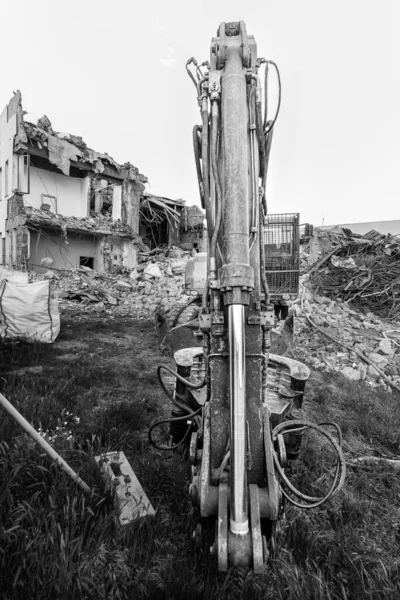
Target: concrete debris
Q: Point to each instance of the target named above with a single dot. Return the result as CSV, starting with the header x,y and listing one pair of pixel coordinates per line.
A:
x,y
361,331
385,347
152,270
130,498
153,287
47,261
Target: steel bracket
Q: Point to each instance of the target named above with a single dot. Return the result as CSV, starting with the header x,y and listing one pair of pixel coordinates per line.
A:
x,y
205,322
214,284
214,85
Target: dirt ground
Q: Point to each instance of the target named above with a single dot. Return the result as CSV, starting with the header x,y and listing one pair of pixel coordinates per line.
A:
x,y
95,389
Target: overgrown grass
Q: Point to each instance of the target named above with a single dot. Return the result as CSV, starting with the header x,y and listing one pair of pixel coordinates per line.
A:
x,y
56,543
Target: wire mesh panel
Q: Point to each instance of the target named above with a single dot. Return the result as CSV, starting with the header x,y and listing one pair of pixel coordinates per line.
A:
x,y
281,240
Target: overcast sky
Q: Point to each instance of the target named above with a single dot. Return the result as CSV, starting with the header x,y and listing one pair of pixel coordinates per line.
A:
x,y
114,73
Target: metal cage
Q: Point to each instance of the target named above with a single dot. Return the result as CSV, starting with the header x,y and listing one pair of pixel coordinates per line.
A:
x,y
282,262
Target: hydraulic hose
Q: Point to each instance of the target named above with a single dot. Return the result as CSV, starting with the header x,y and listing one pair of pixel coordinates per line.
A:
x,y
261,138
171,420
196,150
262,259
254,199
205,163
215,172
269,125
173,399
266,93
182,309
337,483
189,384
268,142
190,414
204,299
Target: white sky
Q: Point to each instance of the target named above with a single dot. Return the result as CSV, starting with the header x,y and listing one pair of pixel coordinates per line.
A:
x,y
114,73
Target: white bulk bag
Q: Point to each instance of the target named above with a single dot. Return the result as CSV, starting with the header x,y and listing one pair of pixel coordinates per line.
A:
x,y
29,311
19,277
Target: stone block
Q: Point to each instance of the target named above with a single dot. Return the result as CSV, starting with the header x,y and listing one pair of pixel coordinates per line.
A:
x,y
352,374
378,359
385,347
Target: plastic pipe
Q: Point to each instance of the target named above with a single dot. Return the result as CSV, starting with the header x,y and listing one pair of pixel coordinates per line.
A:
x,y
42,442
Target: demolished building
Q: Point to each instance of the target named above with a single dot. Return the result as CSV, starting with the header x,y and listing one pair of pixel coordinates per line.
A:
x,y
361,269
60,199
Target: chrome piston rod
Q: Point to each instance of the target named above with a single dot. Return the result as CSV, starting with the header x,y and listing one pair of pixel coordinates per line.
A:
x,y
239,524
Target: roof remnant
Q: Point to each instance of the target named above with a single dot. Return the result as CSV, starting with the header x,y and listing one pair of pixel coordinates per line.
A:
x,y
154,209
62,147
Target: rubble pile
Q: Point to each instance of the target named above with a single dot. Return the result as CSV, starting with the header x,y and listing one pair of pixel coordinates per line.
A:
x,y
363,270
156,285
357,331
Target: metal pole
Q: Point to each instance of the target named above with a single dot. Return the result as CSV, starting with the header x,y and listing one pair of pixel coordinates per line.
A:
x,y
237,356
42,442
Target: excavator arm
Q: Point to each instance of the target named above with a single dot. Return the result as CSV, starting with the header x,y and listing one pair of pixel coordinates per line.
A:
x,y
237,406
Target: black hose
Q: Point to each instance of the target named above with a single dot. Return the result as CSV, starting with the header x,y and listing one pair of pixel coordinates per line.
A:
x,y
262,258
173,399
337,483
266,93
189,384
190,61
269,125
268,129
205,164
268,142
181,310
261,138
196,150
170,420
181,405
254,198
215,172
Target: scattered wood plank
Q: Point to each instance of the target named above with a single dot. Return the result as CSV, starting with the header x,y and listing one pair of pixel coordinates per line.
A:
x,y
129,494
374,460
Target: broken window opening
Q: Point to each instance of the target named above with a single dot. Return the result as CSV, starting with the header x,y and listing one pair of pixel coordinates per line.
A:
x,y
154,234
86,261
107,193
24,173
101,198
